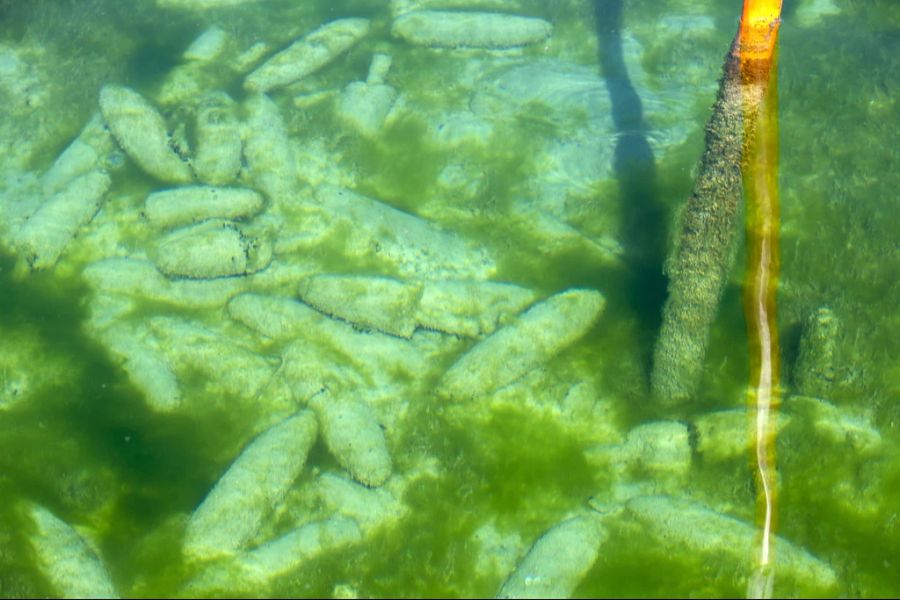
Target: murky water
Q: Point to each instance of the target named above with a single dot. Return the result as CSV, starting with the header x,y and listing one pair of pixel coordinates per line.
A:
x,y
551,155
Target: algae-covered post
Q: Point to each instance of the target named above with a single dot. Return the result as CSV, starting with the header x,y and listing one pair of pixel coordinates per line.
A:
x,y
704,250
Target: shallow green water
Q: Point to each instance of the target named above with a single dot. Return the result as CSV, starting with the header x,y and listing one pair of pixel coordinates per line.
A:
x,y
77,437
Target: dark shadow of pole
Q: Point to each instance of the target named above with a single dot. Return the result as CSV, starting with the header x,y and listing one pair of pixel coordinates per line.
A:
x,y
643,215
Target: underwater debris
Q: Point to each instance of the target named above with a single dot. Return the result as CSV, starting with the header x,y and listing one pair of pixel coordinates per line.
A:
x,y
814,371
215,248
234,508
557,562
448,29
307,55
141,132
66,559
353,435
45,234
192,204
541,332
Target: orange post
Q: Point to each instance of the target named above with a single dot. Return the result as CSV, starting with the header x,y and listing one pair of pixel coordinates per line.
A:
x,y
756,50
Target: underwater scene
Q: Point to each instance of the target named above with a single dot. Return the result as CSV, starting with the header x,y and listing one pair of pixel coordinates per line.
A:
x,y
366,298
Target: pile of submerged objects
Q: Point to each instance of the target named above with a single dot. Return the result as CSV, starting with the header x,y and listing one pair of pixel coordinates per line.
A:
x,y
254,278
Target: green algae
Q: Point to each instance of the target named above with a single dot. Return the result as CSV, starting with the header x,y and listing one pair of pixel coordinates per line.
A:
x,y
88,447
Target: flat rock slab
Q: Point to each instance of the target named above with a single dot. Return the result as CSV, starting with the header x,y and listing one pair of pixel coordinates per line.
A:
x,y
540,333
450,29
141,132
307,55
255,482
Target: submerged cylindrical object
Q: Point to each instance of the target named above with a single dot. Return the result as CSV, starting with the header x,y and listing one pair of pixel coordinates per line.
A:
x,y
705,248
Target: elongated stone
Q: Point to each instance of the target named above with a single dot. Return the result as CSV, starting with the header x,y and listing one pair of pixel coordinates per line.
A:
x,y
685,526
207,46
211,249
450,29
470,308
141,279
218,156
66,560
192,204
49,230
381,303
267,149
146,366
557,562
92,150
540,333
353,435
398,307
370,508
307,55
255,482
141,132
407,243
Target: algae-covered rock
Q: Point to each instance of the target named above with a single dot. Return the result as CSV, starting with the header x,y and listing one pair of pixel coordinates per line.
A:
x,y
146,366
405,242
207,46
66,560
92,150
211,249
540,333
371,508
231,368
192,204
681,526
353,435
141,131
270,159
139,278
365,105
217,159
446,29
255,482
381,303
557,562
460,307
307,55
49,230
